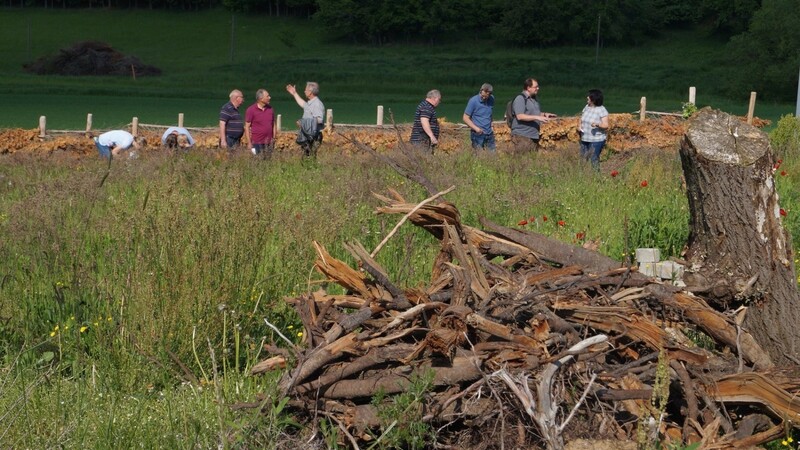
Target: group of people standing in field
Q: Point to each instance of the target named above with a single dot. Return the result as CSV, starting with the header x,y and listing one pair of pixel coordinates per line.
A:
x,y
258,129
524,117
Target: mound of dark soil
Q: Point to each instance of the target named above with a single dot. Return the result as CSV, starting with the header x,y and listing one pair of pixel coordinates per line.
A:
x,y
90,58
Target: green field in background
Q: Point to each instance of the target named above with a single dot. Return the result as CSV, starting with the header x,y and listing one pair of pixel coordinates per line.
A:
x,y
204,55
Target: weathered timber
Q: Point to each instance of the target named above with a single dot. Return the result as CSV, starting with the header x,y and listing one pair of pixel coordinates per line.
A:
x,y
717,325
461,370
554,251
754,387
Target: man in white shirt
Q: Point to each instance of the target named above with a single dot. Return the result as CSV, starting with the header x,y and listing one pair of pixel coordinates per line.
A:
x,y
113,142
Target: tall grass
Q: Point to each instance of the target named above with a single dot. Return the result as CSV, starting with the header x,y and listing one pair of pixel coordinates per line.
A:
x,y
206,54
132,306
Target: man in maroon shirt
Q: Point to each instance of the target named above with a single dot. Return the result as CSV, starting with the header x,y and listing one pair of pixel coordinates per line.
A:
x,y
260,126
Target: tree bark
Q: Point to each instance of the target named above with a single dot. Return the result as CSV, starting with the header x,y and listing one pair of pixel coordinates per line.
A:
x,y
739,253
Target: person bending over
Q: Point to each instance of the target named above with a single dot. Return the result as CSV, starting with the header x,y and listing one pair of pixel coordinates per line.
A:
x,y
114,142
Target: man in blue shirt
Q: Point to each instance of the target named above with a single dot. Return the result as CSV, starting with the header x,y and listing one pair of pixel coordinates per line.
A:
x,y
478,116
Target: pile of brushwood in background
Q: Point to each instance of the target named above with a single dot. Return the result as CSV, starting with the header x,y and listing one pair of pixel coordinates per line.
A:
x,y
91,58
627,133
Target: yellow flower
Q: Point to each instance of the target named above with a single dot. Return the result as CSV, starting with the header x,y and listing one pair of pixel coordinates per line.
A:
x,y
108,318
84,328
95,324
52,333
290,327
790,440
784,443
56,328
300,334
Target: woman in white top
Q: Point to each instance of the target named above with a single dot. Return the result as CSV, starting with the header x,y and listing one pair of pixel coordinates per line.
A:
x,y
593,127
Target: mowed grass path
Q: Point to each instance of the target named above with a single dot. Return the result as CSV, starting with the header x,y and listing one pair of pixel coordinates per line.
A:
x,y
201,66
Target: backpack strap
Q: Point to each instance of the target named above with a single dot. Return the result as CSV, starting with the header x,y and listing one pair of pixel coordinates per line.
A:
x,y
514,116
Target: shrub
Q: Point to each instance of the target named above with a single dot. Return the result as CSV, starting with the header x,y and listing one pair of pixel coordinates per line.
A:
x,y
785,138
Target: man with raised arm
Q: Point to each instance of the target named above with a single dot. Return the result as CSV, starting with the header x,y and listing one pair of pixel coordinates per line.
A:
x,y
310,135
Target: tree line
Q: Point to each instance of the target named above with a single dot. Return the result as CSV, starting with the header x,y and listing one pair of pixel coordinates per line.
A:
x,y
523,23
763,36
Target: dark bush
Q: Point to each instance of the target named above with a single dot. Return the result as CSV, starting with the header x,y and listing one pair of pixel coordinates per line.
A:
x,y
90,58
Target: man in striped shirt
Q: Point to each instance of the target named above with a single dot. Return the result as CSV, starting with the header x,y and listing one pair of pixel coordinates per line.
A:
x,y
231,125
425,131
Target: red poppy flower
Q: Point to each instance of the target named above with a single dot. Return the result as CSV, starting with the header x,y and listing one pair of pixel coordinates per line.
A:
x,y
580,235
783,212
776,166
561,223
644,183
783,173
544,218
522,222
614,173
780,161
532,219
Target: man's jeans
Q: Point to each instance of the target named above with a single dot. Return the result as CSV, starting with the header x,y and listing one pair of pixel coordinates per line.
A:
x,y
482,140
104,150
264,150
232,141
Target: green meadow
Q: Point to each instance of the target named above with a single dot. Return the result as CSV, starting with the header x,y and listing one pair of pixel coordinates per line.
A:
x,y
203,55
133,296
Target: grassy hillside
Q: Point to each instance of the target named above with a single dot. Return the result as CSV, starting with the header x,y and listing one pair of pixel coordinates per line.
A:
x,y
201,65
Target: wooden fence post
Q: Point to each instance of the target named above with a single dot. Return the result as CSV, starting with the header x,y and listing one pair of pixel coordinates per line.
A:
x,y
42,126
89,122
329,120
752,108
278,122
642,109
380,115
692,95
180,120
135,126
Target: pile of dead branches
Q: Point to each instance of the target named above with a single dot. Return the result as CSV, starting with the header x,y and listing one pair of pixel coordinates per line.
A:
x,y
523,333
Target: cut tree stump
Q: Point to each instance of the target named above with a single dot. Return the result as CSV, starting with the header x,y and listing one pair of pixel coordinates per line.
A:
x,y
739,253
